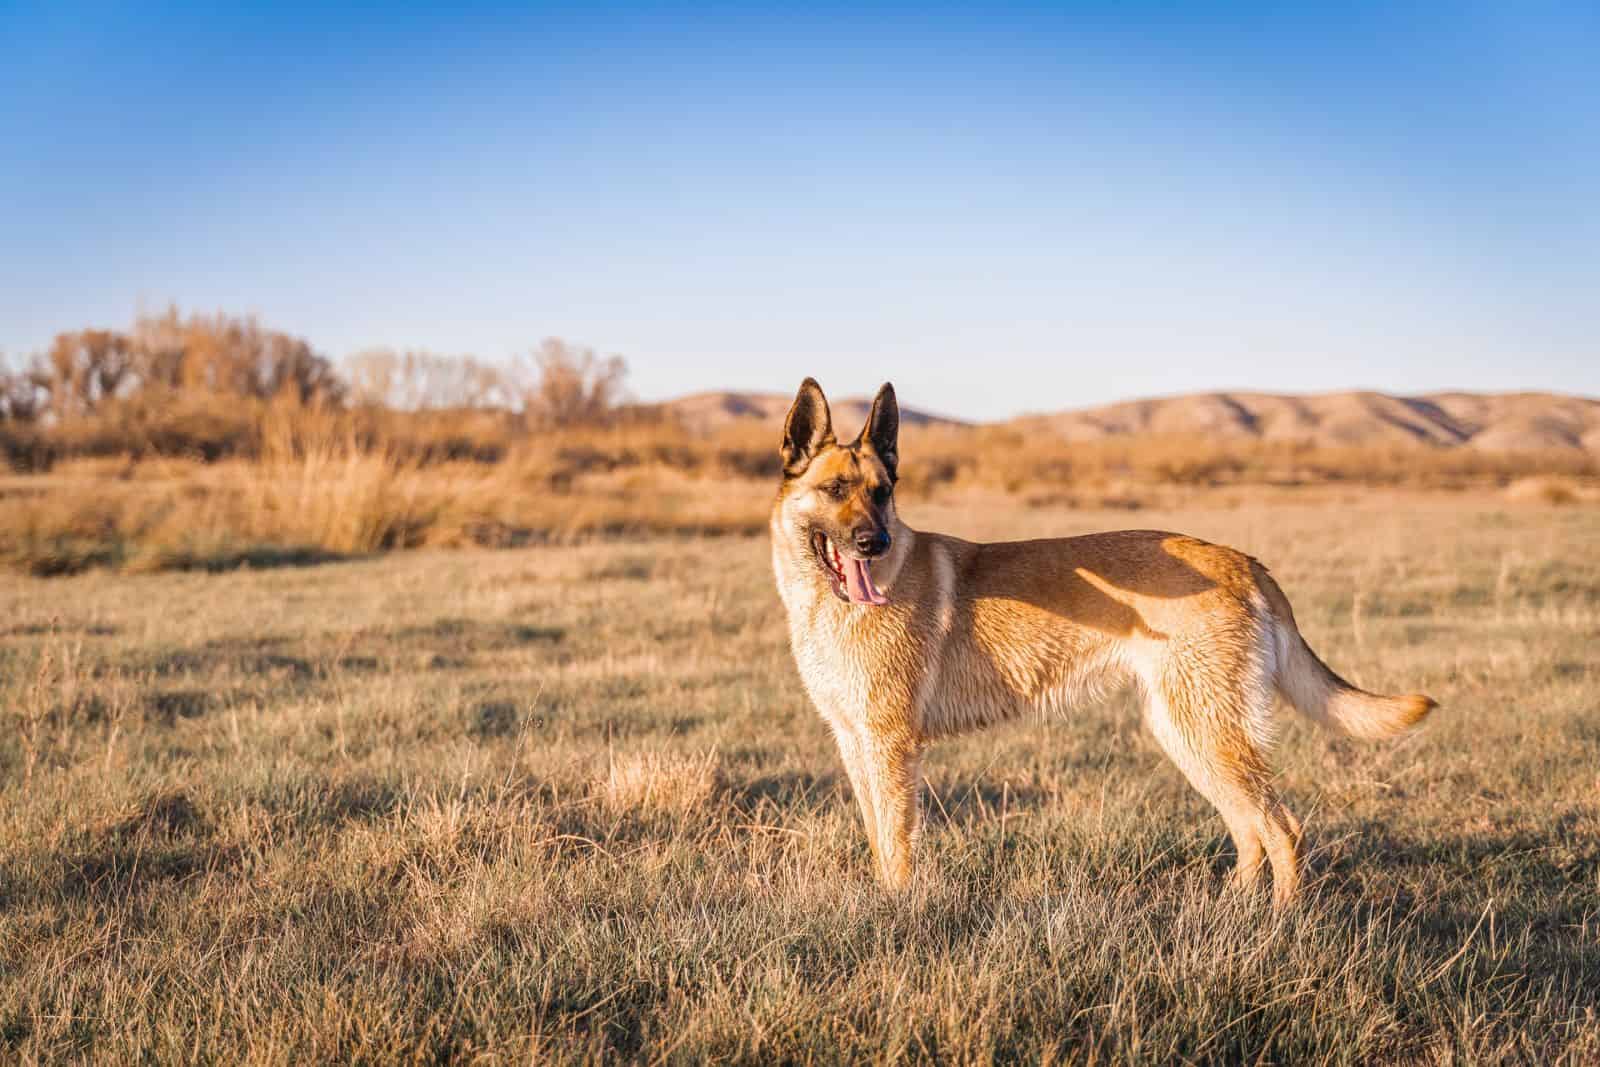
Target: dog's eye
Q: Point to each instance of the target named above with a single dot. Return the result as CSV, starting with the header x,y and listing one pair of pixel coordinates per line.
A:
x,y
834,489
880,495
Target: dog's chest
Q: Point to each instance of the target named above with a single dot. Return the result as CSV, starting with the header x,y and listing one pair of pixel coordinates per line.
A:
x,y
844,655
839,657
862,672
837,677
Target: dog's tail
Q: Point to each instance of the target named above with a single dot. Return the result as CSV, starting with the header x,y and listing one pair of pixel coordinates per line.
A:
x,y
1320,694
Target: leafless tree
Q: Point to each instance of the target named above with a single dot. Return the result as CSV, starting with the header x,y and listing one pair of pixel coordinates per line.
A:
x,y
232,356
21,398
560,384
424,381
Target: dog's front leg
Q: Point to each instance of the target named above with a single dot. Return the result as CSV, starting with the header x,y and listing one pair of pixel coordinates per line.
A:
x,y
892,768
855,766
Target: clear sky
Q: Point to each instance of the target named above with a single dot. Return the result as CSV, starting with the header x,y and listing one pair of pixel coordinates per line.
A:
x,y
1018,209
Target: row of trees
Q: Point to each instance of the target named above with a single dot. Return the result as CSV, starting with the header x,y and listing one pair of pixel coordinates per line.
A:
x,y
555,385
169,360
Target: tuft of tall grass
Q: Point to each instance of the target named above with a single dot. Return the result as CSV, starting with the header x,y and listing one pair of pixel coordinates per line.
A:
x,y
1545,489
661,783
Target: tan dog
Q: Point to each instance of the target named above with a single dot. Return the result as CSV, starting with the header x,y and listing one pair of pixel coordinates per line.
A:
x,y
904,637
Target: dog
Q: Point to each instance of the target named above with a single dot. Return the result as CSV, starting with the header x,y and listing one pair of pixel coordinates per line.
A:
x,y
904,637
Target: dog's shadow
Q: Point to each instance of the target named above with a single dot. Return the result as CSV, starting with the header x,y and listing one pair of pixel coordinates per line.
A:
x,y
788,790
963,804
1538,886
1437,890
1535,884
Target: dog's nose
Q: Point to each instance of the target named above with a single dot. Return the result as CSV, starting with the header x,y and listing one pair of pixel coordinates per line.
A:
x,y
872,542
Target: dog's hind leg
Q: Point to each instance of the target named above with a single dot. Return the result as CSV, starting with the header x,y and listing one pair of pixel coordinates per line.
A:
x,y
1203,726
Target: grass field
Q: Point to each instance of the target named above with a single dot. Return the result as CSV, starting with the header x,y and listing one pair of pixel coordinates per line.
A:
x,y
570,804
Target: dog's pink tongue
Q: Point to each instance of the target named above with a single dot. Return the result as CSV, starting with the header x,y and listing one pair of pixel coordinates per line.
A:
x,y
858,583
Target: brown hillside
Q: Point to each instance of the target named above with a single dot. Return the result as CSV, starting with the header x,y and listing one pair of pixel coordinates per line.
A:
x,y
713,411
1506,422
1488,422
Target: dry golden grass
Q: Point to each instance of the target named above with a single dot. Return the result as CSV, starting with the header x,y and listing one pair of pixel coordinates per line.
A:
x,y
318,484
324,493
462,806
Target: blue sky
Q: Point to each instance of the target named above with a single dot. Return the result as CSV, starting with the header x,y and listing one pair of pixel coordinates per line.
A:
x,y
1018,209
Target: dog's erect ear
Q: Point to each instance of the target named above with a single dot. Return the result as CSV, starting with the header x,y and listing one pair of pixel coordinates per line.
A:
x,y
807,430
882,430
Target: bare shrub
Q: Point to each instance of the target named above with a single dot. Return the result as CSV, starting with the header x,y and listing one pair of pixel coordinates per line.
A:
x,y
163,423
1543,489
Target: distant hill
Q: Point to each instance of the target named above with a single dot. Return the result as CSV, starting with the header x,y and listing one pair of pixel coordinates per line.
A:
x,y
1490,422
710,411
